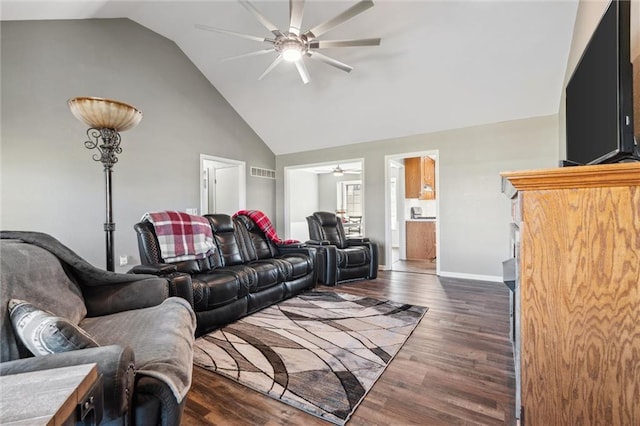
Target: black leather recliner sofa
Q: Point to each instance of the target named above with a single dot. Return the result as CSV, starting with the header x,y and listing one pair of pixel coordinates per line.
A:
x,y
245,273
341,258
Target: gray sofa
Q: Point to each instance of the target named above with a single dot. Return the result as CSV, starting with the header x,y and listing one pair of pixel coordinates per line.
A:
x,y
144,337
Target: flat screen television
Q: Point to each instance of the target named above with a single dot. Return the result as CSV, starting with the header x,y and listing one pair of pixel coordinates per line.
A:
x,y
599,95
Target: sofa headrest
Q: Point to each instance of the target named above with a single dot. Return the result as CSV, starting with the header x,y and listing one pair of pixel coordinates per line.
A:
x,y
248,223
220,223
326,218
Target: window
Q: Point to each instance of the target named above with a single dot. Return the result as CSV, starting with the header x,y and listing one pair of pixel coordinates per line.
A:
x,y
350,198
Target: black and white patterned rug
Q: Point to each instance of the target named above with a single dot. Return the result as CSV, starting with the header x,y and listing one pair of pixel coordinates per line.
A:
x,y
320,351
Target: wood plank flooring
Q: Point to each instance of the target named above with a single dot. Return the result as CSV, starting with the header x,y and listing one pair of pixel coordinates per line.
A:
x,y
417,266
455,369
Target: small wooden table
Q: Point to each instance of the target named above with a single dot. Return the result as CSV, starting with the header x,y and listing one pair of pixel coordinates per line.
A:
x,y
51,397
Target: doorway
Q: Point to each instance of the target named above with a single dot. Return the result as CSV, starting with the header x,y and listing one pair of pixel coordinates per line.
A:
x,y
412,240
329,186
222,185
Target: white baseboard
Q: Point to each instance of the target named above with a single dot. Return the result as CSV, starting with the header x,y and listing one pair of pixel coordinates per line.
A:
x,y
460,275
463,276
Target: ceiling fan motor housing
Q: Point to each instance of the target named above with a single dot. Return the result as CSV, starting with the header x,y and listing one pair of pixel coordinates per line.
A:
x,y
291,43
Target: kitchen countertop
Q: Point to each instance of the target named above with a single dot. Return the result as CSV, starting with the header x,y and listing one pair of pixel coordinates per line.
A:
x,y
420,220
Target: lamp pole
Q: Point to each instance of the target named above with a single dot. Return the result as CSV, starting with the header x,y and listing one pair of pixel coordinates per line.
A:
x,y
107,142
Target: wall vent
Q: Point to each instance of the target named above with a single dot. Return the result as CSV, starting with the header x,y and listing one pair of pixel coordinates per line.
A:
x,y
263,173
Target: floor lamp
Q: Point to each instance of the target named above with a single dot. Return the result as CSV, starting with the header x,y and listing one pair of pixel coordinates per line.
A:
x,y
106,119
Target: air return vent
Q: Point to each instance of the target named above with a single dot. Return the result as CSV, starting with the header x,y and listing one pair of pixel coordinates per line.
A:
x,y
263,173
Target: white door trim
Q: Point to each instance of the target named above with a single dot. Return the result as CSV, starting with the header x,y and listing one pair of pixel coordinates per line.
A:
x,y
242,179
387,209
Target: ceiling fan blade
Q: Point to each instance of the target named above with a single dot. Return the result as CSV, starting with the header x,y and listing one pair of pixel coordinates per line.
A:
x,y
271,67
354,10
324,44
302,70
330,61
233,33
260,17
246,55
296,10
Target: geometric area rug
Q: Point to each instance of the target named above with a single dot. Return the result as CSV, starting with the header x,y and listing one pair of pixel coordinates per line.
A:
x,y
320,352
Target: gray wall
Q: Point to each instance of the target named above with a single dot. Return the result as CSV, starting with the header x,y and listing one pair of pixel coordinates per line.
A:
x,y
474,215
49,181
328,190
303,187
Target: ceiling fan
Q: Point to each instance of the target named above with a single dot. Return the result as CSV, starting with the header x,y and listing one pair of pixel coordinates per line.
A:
x,y
292,45
339,171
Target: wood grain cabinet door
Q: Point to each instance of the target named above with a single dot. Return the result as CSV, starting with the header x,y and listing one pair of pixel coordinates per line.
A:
x,y
412,177
428,177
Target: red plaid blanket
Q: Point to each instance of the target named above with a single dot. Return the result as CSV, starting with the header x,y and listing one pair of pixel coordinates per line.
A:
x,y
265,225
181,236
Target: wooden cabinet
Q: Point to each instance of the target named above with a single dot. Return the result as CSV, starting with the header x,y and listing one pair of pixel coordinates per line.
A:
x,y
421,240
579,280
412,177
428,179
420,173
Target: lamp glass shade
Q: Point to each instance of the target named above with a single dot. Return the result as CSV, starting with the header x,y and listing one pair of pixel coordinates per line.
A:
x,y
105,113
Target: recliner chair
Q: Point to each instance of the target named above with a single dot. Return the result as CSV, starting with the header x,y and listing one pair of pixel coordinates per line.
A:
x,y
145,337
340,258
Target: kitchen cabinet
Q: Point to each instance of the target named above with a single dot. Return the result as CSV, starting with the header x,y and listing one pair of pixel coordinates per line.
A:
x,y
421,239
420,173
412,177
428,172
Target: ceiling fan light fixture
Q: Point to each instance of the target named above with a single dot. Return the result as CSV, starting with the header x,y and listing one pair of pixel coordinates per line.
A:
x,y
291,53
338,171
291,48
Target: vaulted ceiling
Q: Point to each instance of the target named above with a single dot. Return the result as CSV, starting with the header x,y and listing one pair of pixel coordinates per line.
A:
x,y
441,64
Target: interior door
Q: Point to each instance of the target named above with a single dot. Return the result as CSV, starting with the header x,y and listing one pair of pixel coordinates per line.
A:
x,y
222,185
227,199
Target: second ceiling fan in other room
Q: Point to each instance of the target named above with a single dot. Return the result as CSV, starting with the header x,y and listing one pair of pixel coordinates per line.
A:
x,y
338,171
293,45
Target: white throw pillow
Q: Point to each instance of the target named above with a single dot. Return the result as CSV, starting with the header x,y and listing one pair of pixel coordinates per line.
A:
x,y
44,333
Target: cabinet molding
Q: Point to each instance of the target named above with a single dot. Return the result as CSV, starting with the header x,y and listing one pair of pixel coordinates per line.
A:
x,y
624,174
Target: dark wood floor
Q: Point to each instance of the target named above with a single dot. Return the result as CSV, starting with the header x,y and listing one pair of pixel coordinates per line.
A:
x,y
416,266
455,369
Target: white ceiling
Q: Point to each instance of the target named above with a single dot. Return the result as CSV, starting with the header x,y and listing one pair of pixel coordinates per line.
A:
x,y
441,64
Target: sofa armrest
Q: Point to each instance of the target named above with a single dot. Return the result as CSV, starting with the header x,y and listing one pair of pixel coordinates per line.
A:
x,y
179,282
140,293
180,285
373,251
158,269
327,264
115,363
318,242
294,245
356,241
297,248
